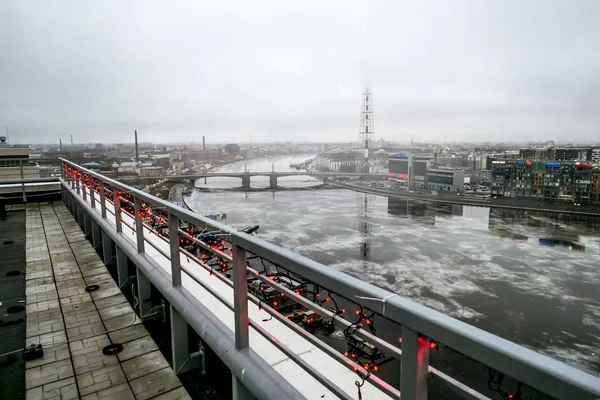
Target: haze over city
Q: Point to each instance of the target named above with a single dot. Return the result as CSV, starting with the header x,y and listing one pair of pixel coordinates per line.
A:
x,y
469,70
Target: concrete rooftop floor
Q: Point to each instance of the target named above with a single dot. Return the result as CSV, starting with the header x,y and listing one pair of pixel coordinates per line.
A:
x,y
57,262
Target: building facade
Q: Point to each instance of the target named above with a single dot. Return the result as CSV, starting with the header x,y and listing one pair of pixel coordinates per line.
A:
x,y
445,179
15,162
569,181
590,154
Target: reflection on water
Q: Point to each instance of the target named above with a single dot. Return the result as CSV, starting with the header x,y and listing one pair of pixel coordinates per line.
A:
x,y
490,267
552,231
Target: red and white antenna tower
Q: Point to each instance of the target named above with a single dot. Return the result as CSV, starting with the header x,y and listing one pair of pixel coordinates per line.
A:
x,y
367,124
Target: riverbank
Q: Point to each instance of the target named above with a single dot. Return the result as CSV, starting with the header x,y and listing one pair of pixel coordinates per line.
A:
x,y
501,202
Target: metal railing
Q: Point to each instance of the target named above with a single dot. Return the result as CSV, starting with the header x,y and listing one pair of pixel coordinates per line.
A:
x,y
22,190
419,324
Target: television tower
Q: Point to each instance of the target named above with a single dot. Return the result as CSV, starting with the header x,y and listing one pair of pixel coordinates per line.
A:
x,y
367,124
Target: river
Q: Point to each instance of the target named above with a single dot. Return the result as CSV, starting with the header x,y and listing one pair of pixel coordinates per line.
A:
x,y
528,278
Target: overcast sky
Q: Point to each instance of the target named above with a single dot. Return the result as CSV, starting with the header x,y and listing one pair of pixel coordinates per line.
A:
x,y
294,70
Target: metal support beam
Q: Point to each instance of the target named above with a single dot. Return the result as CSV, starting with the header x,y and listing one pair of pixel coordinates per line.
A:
x,y
122,266
240,392
96,235
144,293
179,339
139,224
87,224
183,360
66,197
174,244
107,251
240,297
414,365
80,217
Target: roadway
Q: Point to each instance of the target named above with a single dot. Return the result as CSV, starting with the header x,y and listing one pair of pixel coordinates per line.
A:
x,y
501,202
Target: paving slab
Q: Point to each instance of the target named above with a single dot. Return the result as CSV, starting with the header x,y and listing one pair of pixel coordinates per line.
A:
x,y
156,383
144,365
65,389
177,394
72,324
128,334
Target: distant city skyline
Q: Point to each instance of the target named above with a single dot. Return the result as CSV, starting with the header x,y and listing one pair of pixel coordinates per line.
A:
x,y
472,71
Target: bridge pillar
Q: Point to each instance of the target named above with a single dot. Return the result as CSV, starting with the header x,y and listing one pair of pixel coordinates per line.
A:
x,y
245,181
273,181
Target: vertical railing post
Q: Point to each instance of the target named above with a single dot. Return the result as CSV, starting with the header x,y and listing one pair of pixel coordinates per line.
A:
x,y
240,297
22,181
102,198
62,188
139,224
78,185
117,203
92,195
83,187
179,339
174,243
414,365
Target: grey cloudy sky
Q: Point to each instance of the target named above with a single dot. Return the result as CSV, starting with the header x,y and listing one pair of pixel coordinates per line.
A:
x,y
294,70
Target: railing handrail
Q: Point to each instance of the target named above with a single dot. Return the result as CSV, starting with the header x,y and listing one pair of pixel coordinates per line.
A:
x,y
29,180
155,201
534,369
505,356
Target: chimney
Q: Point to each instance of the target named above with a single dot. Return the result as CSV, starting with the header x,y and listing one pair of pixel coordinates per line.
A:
x,y
204,143
137,153
71,140
60,144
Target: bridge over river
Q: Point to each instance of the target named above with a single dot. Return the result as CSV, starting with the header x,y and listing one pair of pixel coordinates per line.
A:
x,y
246,176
